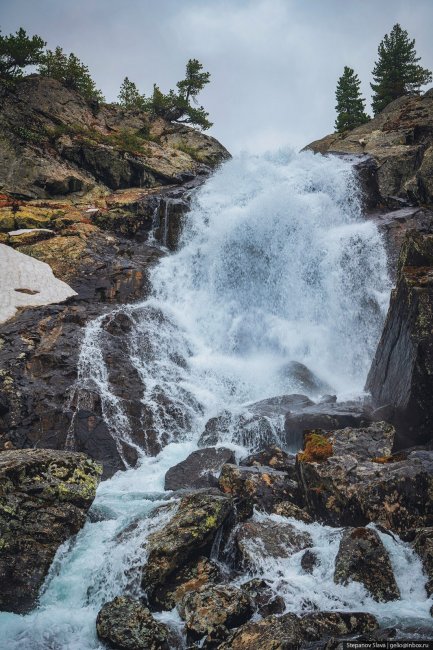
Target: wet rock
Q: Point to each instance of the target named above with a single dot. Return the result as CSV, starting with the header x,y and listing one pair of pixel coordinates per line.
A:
x,y
401,374
326,416
352,487
273,457
363,558
201,469
209,608
399,139
44,498
263,598
256,540
275,406
309,561
260,486
191,577
288,509
124,623
423,545
290,630
253,431
189,533
304,379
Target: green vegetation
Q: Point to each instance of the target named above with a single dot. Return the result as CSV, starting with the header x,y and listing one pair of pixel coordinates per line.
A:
x,y
350,104
130,98
71,72
17,51
181,106
397,72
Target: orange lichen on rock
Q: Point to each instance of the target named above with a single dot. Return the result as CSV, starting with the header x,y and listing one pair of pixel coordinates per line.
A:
x,y
317,448
395,458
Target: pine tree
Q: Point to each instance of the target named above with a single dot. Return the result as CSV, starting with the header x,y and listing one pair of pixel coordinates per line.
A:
x,y
396,72
17,51
130,98
350,104
71,72
177,107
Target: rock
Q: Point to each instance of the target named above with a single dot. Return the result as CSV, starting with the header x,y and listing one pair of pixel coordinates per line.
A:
x,y
362,557
212,607
201,469
353,486
263,598
401,374
191,577
256,540
309,561
423,545
288,509
275,406
304,379
44,498
61,152
326,416
259,486
253,431
399,139
125,624
273,457
190,532
290,630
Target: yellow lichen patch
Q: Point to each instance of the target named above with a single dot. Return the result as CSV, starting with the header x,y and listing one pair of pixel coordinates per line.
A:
x,y
383,460
318,448
61,253
30,216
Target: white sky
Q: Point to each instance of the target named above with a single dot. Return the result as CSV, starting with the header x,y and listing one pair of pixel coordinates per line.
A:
x,y
274,63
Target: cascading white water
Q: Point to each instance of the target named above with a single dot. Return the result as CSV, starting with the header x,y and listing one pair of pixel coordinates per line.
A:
x,y
276,265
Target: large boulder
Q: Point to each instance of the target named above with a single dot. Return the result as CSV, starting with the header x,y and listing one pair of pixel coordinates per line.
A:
x,y
400,141
124,623
289,631
194,575
201,469
44,498
190,532
401,375
263,487
207,610
256,540
358,481
362,557
253,431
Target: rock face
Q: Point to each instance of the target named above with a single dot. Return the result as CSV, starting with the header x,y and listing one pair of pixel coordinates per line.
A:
x,y
201,469
423,545
401,375
65,145
125,624
190,531
288,631
362,557
44,498
360,482
400,140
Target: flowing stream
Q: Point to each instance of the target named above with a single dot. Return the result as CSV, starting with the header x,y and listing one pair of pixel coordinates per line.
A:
x,y
276,265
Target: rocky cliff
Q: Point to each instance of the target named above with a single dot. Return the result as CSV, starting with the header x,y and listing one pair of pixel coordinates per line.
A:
x,y
82,187
400,140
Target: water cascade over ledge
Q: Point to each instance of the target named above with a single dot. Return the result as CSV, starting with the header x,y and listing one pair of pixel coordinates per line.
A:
x,y
276,265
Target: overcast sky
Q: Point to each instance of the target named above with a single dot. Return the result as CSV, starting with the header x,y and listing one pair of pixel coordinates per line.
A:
x,y
274,63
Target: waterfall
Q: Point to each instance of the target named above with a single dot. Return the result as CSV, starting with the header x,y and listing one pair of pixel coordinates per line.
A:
x,y
275,265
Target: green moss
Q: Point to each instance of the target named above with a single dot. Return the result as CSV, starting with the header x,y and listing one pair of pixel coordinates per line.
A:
x,y
193,152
